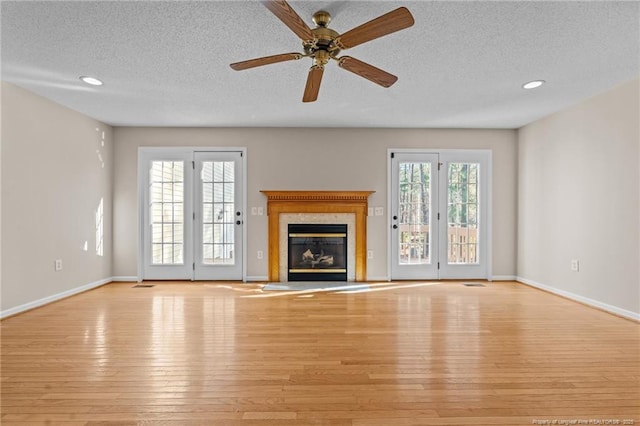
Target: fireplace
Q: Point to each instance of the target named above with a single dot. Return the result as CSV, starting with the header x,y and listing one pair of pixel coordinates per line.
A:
x,y
317,252
283,206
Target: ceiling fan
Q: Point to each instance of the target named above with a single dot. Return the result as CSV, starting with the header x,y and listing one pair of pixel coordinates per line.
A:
x,y
323,44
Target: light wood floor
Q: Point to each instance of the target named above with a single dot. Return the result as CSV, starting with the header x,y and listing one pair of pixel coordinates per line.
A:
x,y
404,354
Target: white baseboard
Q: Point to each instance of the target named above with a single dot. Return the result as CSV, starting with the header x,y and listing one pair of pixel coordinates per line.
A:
x,y
125,278
504,278
385,279
53,298
257,278
587,301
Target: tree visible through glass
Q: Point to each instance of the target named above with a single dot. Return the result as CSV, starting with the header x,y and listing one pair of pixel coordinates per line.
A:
x,y
462,213
414,213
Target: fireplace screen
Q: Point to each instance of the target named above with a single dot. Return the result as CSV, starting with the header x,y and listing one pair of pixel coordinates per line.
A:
x,y
317,252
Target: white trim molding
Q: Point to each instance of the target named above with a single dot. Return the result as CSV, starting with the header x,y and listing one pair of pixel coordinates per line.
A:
x,y
378,279
125,279
503,278
53,298
581,299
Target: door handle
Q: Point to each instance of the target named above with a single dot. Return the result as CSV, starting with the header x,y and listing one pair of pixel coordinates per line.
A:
x,y
395,226
238,222
395,218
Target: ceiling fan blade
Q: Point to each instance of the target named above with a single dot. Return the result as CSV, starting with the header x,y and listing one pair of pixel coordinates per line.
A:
x,y
313,83
258,62
367,71
388,23
290,18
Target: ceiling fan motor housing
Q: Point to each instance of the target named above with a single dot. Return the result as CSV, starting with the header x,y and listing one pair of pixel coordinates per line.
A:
x,y
323,37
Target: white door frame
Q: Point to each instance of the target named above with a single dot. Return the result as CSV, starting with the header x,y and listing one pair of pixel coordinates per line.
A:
x,y
148,153
486,156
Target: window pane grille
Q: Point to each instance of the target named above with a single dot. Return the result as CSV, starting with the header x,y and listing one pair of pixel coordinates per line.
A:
x,y
218,207
167,212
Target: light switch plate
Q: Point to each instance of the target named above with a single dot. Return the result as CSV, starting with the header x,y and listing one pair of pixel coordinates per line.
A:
x,y
575,265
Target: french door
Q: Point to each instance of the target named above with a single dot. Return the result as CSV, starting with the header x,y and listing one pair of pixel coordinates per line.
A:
x,y
191,214
414,216
440,216
218,216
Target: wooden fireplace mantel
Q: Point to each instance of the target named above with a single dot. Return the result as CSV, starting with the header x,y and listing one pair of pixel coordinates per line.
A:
x,y
318,202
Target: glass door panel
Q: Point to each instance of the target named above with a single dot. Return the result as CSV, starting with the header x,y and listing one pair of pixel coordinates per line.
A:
x,y
462,213
414,213
167,205
218,206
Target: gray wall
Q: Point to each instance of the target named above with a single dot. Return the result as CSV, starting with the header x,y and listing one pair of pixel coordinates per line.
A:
x,y
322,159
56,167
578,199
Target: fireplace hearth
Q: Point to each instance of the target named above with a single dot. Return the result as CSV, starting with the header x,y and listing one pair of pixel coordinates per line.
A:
x,y
317,252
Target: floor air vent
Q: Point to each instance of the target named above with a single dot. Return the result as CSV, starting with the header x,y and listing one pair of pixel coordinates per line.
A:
x,y
143,285
473,284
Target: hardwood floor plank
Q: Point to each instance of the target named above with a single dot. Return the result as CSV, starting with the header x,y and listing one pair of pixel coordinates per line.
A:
x,y
231,354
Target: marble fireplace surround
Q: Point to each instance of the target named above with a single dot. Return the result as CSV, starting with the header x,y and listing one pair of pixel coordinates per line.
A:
x,y
348,207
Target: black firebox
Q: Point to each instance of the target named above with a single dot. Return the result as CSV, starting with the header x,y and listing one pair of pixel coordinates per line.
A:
x,y
317,252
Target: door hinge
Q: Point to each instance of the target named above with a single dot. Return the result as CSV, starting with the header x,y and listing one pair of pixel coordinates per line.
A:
x,y
438,265
194,216
194,266
193,165
438,216
393,155
439,165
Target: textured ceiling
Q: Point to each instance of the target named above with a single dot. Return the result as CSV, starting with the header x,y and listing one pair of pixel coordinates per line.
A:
x,y
461,65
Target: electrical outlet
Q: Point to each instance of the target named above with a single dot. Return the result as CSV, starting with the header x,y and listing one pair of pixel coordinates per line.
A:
x,y
379,211
58,265
254,211
260,254
575,265
369,254
260,211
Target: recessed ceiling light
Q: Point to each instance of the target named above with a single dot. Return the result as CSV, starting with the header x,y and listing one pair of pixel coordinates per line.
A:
x,y
91,80
533,84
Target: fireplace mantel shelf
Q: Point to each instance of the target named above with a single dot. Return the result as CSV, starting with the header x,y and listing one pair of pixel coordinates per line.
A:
x,y
355,202
306,196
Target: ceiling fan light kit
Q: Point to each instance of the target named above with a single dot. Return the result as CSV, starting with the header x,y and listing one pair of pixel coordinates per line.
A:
x,y
323,44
